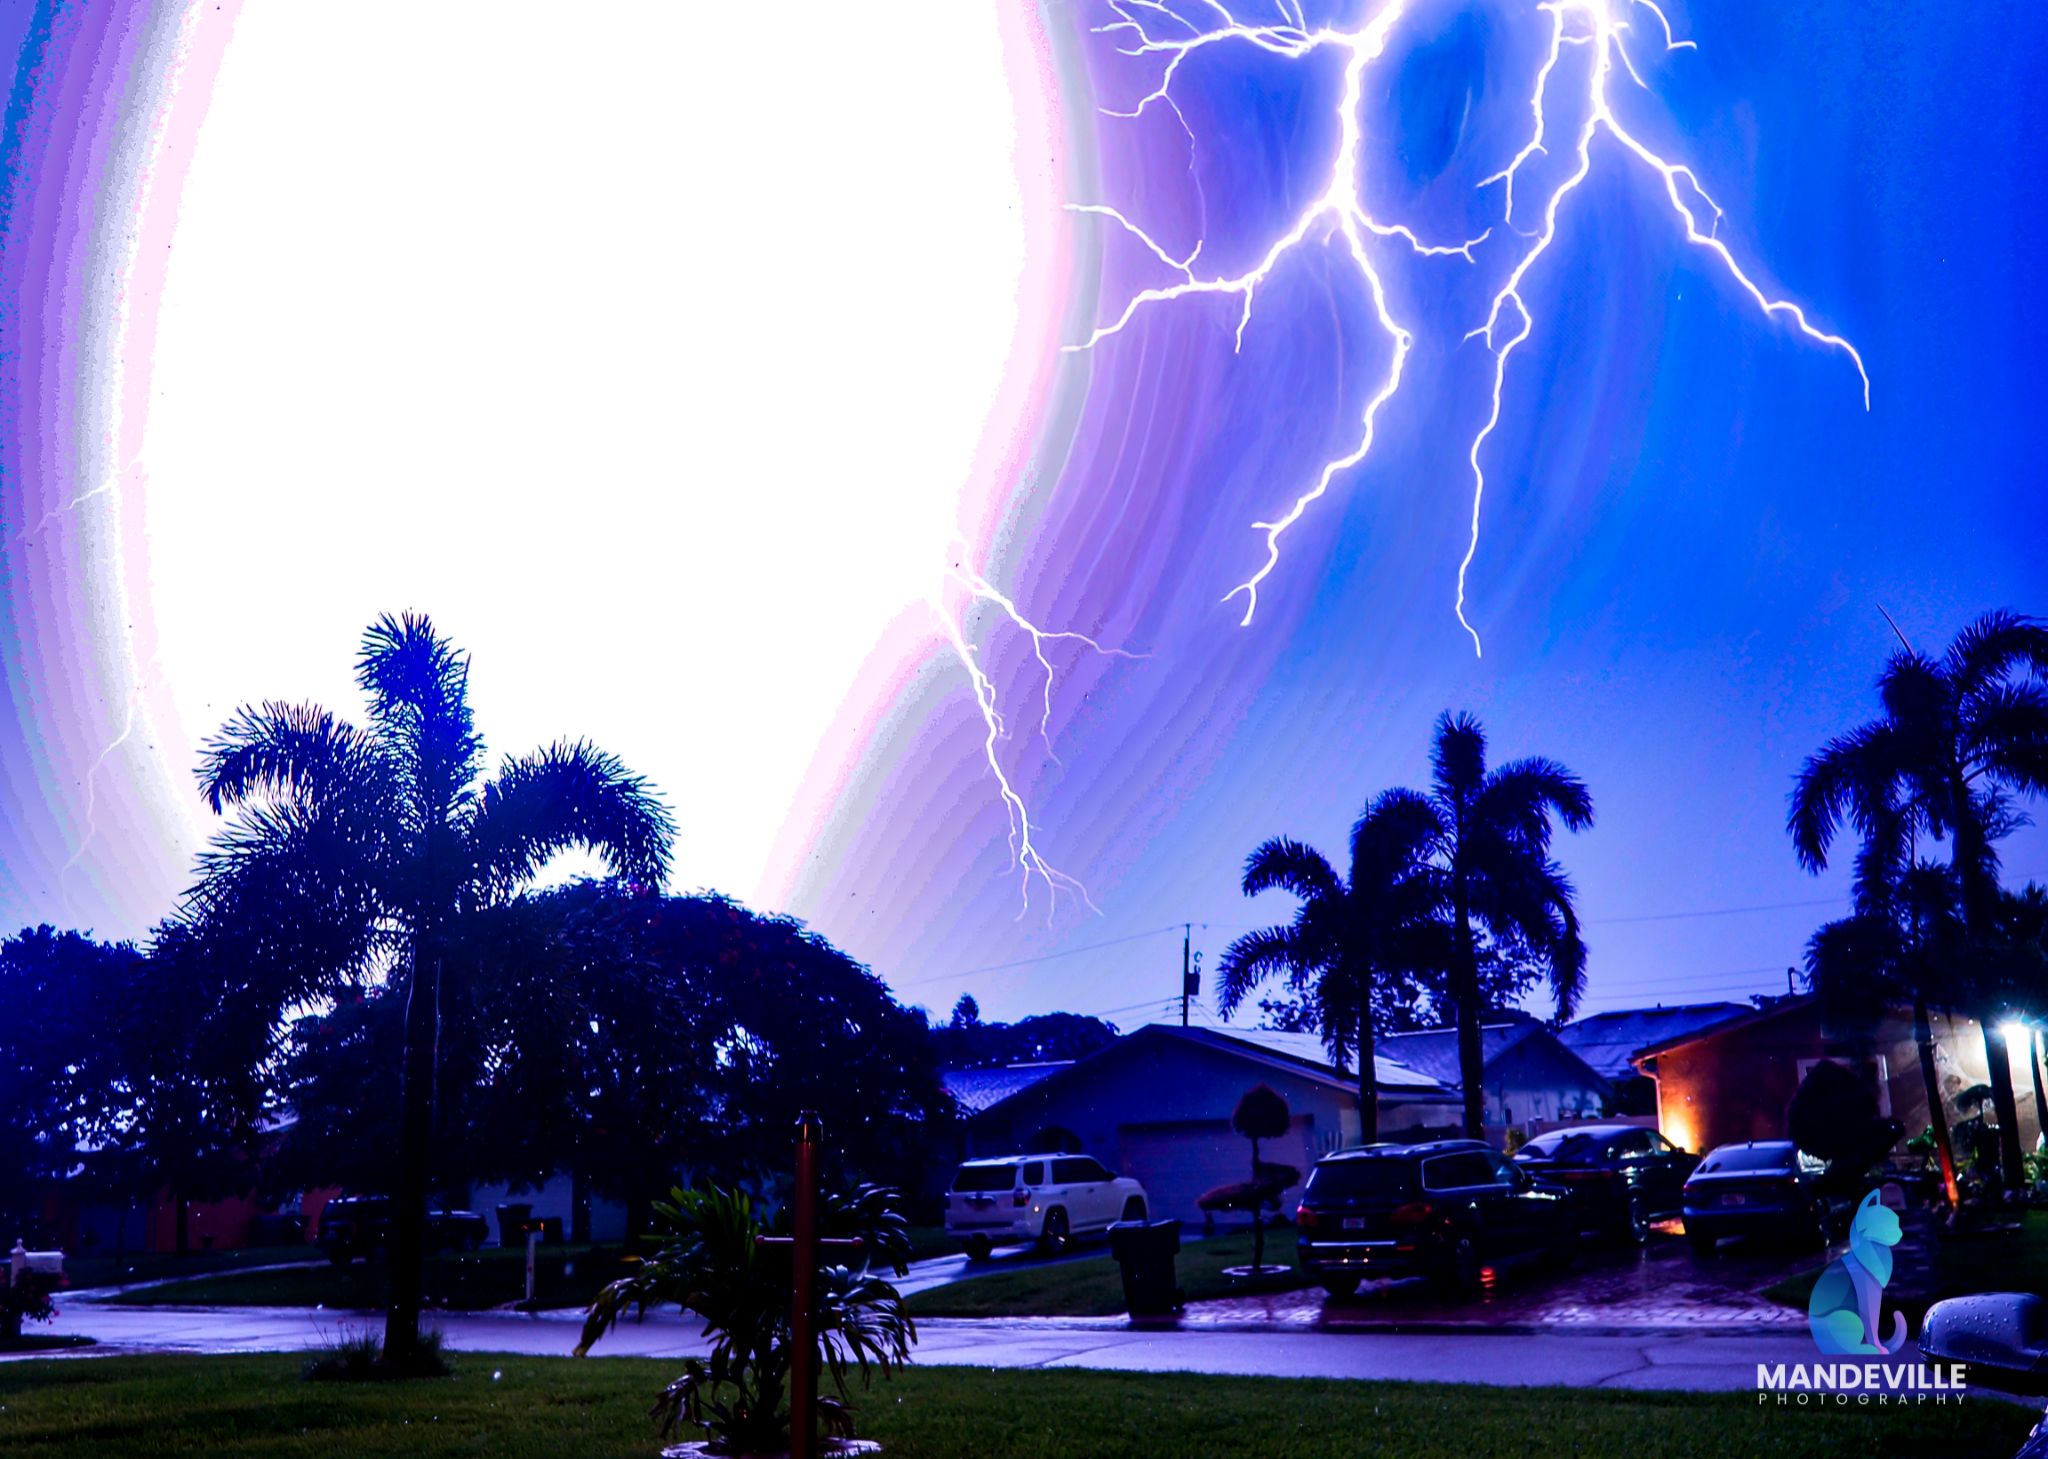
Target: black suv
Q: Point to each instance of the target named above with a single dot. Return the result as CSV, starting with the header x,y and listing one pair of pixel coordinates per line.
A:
x,y
353,1226
1621,1177
1450,1210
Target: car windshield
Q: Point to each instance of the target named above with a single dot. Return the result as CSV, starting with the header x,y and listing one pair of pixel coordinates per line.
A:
x,y
1565,1146
1748,1157
1361,1180
985,1178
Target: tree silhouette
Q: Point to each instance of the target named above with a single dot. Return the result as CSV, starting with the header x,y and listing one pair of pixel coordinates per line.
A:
x,y
1960,739
359,855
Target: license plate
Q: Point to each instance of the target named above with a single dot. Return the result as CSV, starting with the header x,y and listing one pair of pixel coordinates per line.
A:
x,y
1734,1199
1354,1223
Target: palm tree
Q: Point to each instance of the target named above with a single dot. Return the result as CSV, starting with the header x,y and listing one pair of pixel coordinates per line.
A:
x,y
1492,842
359,853
1351,943
1961,737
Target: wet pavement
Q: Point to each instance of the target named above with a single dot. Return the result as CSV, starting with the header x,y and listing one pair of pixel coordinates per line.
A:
x,y
1660,1286
1696,1361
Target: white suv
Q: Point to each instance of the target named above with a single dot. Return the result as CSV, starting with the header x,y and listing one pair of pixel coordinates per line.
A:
x,y
1048,1199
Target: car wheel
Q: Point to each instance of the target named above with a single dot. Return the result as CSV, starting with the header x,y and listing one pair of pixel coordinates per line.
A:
x,y
1053,1239
1341,1288
1460,1273
1703,1246
1134,1209
1635,1222
978,1248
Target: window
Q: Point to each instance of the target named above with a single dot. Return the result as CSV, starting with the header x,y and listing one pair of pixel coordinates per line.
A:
x,y
1456,1172
1661,1146
1771,1156
985,1179
1034,1172
1074,1171
1361,1180
1632,1143
1505,1171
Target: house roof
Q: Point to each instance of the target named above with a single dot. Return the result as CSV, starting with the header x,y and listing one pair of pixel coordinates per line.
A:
x,y
1609,1041
1776,1008
1434,1051
1394,1075
1299,1054
975,1090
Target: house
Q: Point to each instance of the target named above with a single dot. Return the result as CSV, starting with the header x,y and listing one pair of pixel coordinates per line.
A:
x,y
1529,1073
1156,1104
1734,1080
1608,1042
974,1090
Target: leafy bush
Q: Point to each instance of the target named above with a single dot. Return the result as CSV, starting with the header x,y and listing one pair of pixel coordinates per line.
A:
x,y
710,1263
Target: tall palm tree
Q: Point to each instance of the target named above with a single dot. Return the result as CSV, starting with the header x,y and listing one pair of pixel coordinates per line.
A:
x,y
358,853
1353,942
1493,848
1961,737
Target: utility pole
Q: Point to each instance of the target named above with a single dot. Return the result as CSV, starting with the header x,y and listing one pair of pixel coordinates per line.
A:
x,y
1187,971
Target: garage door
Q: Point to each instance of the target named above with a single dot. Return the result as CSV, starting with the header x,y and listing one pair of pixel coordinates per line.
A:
x,y
1177,1162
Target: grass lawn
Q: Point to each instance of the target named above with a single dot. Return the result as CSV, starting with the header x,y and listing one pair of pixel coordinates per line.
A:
x,y
566,1276
2013,1262
1093,1287
114,1271
514,1407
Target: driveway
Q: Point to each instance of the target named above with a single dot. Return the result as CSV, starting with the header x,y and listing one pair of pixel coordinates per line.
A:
x,y
1660,1285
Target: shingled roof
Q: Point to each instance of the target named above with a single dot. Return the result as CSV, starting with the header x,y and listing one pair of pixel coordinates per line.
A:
x,y
1607,1041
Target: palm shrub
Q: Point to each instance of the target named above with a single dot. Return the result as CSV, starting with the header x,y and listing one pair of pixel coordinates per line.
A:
x,y
1261,1114
710,1262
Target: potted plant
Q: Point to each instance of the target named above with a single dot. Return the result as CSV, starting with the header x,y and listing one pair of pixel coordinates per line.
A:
x,y
710,1262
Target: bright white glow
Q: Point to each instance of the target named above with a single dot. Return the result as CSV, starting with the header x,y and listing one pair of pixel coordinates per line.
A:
x,y
2015,1032
591,340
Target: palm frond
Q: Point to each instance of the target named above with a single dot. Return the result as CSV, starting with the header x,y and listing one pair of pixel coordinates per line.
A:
x,y
1994,646
282,750
570,794
1457,757
1257,956
1525,794
1291,866
1850,779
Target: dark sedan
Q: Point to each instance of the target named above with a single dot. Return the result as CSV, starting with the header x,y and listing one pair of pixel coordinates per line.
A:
x,y
1621,1177
1760,1187
1450,1210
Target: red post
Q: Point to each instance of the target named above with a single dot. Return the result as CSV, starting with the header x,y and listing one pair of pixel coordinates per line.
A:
x,y
803,1385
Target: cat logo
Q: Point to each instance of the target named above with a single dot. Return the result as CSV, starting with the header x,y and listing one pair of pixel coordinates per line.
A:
x,y
1843,1311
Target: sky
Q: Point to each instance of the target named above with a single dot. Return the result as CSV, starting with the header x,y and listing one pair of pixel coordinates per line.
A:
x,y
715,388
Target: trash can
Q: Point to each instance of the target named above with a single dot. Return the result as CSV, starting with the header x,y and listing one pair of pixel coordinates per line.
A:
x,y
1145,1251
512,1218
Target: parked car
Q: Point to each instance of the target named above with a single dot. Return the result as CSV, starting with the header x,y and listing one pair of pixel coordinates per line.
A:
x,y
1449,1210
1767,1187
353,1226
1049,1199
1621,1177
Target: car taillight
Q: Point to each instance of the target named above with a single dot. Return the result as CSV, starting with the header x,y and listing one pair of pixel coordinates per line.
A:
x,y
1412,1212
1305,1219
1020,1198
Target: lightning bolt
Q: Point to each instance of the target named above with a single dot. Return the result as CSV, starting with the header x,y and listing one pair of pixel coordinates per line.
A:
x,y
85,841
1025,857
1155,29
